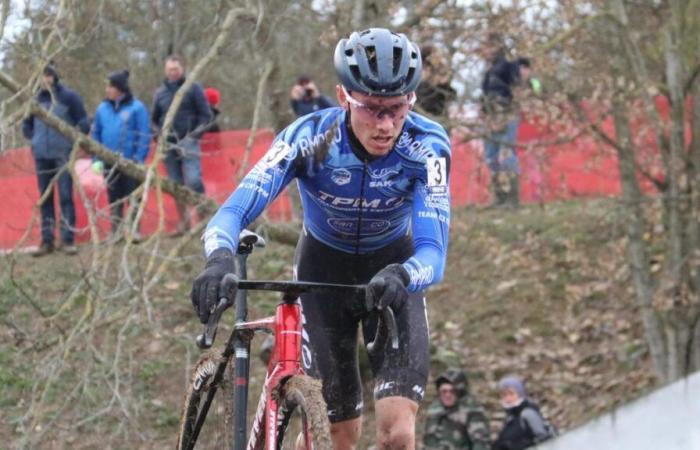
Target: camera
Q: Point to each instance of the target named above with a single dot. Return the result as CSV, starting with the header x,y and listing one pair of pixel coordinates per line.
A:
x,y
308,92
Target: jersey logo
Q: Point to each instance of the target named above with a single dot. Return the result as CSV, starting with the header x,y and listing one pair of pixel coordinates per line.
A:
x,y
341,176
437,175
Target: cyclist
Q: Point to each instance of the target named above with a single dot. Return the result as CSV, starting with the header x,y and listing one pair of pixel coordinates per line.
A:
x,y
373,180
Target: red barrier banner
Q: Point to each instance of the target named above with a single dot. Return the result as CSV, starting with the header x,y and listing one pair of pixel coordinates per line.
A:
x,y
222,157
552,167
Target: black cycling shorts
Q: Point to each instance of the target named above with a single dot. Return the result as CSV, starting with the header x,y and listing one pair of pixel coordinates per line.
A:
x,y
331,325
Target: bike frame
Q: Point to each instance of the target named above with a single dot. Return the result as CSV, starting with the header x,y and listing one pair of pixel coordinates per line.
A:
x,y
284,363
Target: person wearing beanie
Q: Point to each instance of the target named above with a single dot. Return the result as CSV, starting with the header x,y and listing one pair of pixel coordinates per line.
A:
x,y
51,152
183,155
524,425
213,98
122,125
455,420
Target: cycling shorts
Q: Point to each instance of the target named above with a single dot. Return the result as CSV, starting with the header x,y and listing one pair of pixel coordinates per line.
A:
x,y
331,324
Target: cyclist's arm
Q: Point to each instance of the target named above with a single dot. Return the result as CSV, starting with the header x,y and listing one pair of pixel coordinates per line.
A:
x,y
256,191
431,223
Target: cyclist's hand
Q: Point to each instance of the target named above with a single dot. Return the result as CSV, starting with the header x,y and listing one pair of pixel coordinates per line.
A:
x,y
388,288
206,289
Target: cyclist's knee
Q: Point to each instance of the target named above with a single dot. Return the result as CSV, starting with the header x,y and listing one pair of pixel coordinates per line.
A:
x,y
396,421
346,434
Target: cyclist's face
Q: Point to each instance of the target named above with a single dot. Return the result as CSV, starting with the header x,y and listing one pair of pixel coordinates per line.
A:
x,y
376,121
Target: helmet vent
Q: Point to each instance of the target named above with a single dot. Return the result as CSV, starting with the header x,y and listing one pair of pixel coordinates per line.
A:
x,y
349,52
371,52
396,63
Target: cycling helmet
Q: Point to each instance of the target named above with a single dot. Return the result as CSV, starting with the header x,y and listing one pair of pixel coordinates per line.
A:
x,y
379,62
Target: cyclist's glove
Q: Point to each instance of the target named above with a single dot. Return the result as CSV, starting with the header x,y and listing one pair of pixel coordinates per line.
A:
x,y
388,288
206,287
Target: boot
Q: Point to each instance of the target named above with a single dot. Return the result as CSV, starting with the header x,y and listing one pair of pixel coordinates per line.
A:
x,y
512,199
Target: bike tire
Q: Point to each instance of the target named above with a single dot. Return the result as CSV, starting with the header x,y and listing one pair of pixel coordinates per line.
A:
x,y
216,431
303,394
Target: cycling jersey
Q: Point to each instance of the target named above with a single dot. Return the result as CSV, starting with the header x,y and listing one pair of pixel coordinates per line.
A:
x,y
353,203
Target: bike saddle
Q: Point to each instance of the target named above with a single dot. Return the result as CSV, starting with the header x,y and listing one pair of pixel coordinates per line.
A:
x,y
248,238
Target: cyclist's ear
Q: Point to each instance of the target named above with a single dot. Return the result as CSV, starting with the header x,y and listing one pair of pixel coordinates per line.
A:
x,y
341,97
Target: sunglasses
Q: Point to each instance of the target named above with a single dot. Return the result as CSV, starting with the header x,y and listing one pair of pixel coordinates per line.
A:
x,y
377,111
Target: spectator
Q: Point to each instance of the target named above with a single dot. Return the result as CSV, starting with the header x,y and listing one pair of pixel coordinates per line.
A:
x,y
51,151
527,78
524,425
502,119
182,160
434,93
121,124
213,98
455,420
306,98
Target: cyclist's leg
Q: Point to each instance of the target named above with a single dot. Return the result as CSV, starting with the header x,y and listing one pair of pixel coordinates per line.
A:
x,y
329,340
401,375
396,423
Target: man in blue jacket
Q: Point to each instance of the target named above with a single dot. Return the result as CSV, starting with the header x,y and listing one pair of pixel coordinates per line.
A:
x,y
51,151
122,125
182,160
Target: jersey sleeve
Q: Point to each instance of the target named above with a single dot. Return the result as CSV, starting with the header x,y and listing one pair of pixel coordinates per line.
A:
x,y
430,221
256,191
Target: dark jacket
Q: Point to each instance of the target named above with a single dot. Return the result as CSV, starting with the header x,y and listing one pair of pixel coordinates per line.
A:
x,y
435,98
523,427
47,143
123,127
193,115
498,83
306,106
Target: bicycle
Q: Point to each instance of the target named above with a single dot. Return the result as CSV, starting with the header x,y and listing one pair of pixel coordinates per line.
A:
x,y
286,388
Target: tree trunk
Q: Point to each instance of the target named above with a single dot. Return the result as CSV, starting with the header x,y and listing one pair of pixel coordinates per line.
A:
x,y
638,257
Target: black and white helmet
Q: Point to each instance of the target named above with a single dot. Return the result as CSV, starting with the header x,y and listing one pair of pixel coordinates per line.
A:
x,y
379,62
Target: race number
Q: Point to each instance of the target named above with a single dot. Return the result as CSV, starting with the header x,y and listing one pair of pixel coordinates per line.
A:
x,y
276,153
437,175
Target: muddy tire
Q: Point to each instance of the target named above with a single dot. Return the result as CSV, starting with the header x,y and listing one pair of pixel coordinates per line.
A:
x,y
302,394
217,430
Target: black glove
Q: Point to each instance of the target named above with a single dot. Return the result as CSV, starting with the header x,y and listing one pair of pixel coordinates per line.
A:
x,y
388,288
206,289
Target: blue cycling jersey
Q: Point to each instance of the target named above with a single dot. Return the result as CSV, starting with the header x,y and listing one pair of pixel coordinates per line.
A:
x,y
352,203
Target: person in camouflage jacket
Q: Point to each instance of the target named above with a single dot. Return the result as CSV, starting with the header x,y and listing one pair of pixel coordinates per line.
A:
x,y
455,420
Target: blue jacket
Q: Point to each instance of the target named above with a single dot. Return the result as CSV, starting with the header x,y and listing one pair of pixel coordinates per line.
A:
x,y
193,116
123,126
353,202
65,103
499,80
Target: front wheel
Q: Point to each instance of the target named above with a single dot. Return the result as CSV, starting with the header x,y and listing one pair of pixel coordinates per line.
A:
x,y
210,399
302,395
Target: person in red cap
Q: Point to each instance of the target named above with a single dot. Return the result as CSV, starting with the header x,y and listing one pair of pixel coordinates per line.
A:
x,y
213,98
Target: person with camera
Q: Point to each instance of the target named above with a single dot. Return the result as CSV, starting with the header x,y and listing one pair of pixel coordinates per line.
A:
x,y
306,98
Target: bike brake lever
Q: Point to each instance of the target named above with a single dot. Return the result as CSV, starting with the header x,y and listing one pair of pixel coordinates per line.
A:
x,y
206,339
387,316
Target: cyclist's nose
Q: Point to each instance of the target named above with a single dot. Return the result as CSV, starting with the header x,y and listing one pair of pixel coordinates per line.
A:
x,y
385,122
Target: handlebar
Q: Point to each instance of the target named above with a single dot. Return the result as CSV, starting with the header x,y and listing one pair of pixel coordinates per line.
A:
x,y
292,289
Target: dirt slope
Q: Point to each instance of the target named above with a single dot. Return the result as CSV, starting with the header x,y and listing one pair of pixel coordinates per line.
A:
x,y
542,292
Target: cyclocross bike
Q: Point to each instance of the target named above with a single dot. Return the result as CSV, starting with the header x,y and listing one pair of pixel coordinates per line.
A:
x,y
286,389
